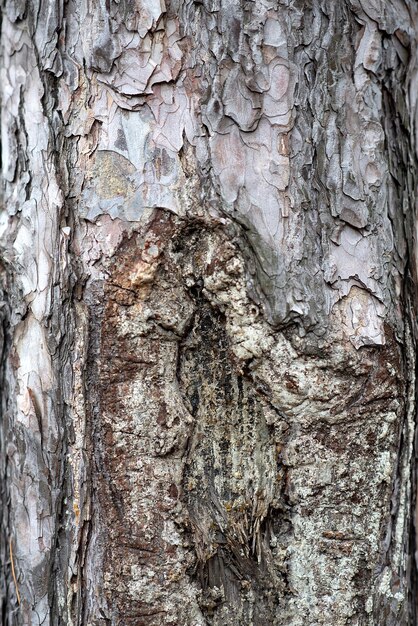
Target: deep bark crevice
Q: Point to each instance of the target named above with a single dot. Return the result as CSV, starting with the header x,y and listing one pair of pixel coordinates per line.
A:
x,y
238,553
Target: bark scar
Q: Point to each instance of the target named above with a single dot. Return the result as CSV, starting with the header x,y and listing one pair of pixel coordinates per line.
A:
x,y
38,412
13,571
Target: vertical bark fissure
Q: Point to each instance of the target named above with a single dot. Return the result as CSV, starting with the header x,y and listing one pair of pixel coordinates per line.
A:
x,y
7,535
230,536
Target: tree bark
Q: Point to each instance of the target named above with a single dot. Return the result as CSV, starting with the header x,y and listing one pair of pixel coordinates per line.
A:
x,y
209,312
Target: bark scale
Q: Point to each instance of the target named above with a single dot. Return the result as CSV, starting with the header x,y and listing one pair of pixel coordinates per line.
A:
x,y
209,289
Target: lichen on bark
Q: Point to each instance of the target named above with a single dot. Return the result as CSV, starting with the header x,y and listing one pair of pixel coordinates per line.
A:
x,y
209,280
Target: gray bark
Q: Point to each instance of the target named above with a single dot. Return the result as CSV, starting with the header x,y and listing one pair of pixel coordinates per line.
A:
x,y
209,312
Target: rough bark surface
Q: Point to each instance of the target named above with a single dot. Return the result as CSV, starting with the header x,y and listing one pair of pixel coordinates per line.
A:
x,y
208,318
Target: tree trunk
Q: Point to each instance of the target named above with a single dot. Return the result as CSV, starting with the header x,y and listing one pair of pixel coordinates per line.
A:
x,y
209,312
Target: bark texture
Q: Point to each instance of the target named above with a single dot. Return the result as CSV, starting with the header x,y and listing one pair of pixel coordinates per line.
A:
x,y
208,318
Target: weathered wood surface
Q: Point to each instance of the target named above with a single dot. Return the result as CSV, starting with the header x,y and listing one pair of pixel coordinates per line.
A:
x,y
209,304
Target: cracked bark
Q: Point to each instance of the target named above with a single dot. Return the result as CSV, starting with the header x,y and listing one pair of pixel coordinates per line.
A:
x,y
208,312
